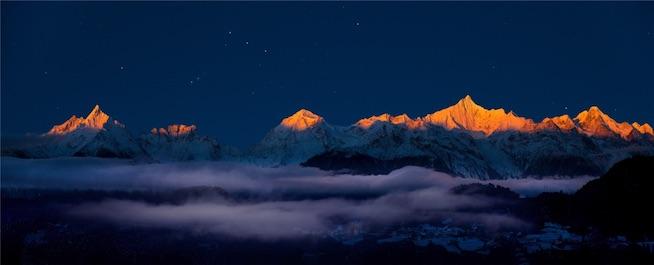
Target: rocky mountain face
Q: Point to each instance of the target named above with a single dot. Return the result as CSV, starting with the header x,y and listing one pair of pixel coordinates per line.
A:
x,y
298,137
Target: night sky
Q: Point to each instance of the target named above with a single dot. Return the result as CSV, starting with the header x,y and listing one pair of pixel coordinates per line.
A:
x,y
236,69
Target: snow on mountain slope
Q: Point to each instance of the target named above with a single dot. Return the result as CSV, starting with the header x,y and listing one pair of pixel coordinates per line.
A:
x,y
113,140
383,136
95,135
179,142
296,139
502,144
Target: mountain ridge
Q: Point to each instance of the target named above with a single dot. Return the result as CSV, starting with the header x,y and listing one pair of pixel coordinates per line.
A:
x,y
465,115
464,139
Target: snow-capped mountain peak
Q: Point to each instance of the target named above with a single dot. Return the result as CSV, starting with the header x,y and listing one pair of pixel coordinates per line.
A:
x,y
69,125
301,120
467,115
468,102
460,139
95,135
297,138
644,129
95,120
594,122
179,142
558,123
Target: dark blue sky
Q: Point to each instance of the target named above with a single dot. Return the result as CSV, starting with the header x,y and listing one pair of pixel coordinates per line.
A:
x,y
254,63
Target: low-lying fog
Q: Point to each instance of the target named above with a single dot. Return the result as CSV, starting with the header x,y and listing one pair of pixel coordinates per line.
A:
x,y
405,195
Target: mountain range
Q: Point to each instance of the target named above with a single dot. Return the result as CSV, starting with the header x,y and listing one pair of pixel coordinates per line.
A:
x,y
464,139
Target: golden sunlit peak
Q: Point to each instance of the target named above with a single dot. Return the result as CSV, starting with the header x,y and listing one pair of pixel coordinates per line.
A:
x,y
594,122
644,129
96,111
301,120
592,112
467,115
95,120
563,123
96,108
467,101
595,109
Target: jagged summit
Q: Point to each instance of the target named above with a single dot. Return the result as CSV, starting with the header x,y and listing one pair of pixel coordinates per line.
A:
x,y
644,129
179,142
175,130
465,115
301,120
95,135
594,122
96,109
558,123
95,120
468,115
402,119
569,147
468,102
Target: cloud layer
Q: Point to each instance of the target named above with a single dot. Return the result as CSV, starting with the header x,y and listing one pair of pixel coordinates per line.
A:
x,y
292,219
108,174
290,202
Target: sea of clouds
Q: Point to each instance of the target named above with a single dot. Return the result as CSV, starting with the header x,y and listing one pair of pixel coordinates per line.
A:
x,y
410,194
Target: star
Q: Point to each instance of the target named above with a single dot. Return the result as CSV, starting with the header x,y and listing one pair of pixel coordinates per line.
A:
x,y
230,33
566,107
45,73
122,67
247,42
357,23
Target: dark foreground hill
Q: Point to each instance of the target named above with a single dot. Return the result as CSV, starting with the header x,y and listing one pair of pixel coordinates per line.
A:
x,y
619,202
